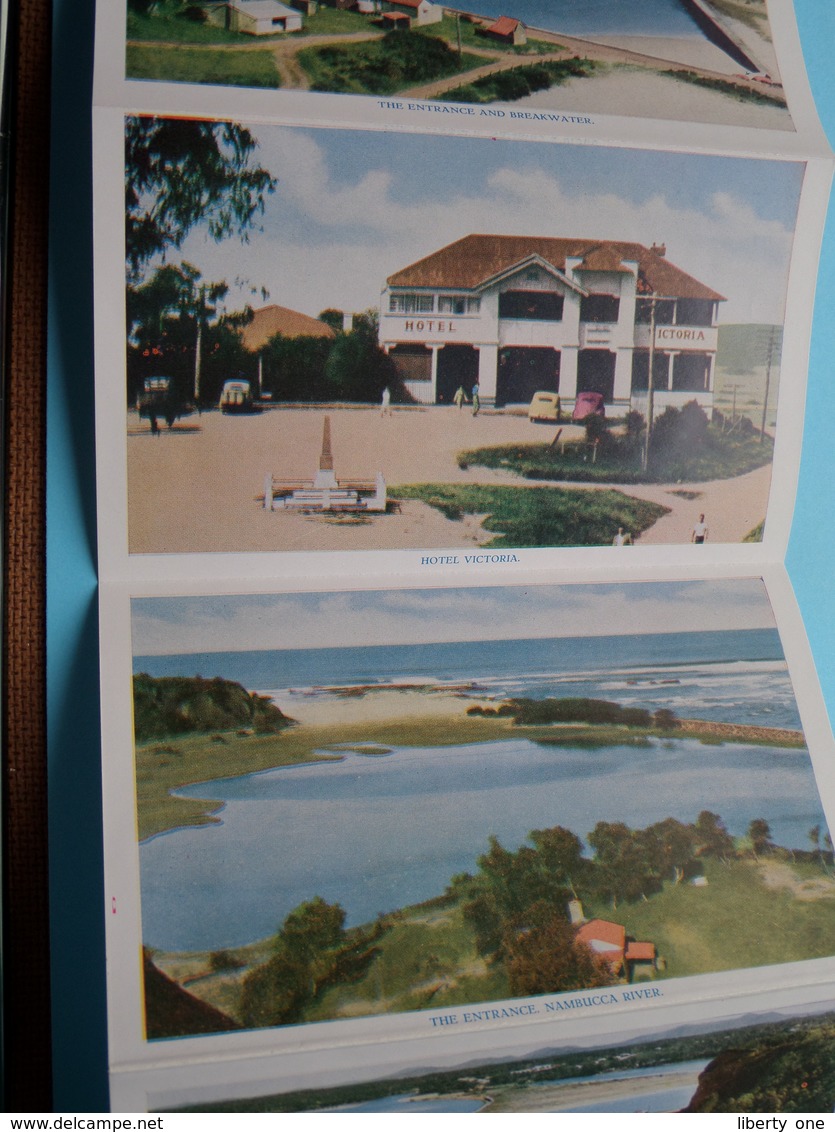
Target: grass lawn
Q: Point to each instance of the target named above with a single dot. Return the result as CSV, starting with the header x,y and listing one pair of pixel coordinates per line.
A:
x,y
201,65
735,921
169,25
724,456
538,516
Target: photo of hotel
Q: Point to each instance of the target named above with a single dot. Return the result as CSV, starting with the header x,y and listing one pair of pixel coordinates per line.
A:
x,y
517,315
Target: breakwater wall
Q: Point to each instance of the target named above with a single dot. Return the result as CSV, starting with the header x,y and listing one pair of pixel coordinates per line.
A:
x,y
717,34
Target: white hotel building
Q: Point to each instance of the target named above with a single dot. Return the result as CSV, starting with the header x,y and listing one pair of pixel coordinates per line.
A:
x,y
520,314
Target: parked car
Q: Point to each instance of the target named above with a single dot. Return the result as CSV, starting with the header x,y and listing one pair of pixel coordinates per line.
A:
x,y
544,406
588,405
159,398
236,397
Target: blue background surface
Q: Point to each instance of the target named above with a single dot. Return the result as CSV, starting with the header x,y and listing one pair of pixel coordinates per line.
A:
x,y
77,897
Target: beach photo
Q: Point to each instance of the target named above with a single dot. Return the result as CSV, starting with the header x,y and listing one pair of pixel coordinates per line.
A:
x,y
762,1061
683,60
355,804
354,341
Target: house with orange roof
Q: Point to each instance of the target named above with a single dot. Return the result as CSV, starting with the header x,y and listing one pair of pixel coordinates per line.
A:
x,y
508,30
524,314
609,941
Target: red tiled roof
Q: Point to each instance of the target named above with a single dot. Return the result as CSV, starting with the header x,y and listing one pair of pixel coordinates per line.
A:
x,y
612,936
473,260
272,320
407,3
640,952
504,25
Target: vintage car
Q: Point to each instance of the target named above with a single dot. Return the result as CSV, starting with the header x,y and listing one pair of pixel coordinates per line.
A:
x,y
236,397
160,399
544,406
588,405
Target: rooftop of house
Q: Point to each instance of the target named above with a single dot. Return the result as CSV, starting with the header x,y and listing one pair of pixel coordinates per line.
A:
x,y
473,261
504,25
272,320
603,935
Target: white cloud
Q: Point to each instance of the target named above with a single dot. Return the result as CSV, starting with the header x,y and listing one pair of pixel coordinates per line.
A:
x,y
393,617
328,244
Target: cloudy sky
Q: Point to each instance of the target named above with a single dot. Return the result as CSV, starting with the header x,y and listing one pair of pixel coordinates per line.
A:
x,y
352,207
171,626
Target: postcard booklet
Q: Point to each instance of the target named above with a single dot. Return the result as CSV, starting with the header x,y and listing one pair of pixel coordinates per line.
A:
x,y
462,746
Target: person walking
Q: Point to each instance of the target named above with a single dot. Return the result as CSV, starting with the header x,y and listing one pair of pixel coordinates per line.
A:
x,y
460,396
699,534
476,400
385,403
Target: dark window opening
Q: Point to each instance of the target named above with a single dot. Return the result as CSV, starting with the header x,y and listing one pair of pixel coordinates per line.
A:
x,y
664,312
525,370
544,306
457,365
640,370
412,362
596,373
691,373
599,308
695,312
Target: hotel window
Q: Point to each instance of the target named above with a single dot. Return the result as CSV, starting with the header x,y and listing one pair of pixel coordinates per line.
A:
x,y
542,306
695,312
599,308
458,304
411,304
664,312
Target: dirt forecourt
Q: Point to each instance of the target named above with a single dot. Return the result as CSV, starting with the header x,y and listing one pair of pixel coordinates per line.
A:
x,y
198,487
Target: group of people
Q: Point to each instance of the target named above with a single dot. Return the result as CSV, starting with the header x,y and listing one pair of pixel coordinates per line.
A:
x,y
461,397
698,534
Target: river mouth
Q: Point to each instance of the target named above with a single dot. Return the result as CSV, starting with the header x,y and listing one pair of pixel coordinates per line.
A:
x,y
379,831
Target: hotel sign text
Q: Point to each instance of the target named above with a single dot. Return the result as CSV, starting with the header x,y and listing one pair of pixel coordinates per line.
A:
x,y
686,337
430,326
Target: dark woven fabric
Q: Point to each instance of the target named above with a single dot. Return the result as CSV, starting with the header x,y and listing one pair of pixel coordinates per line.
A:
x,y
26,921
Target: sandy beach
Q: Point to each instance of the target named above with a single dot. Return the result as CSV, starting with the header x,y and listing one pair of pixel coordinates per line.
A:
x,y
199,487
570,1098
385,705
639,93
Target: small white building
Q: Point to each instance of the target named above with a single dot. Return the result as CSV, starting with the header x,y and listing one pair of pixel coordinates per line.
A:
x,y
254,17
520,314
420,12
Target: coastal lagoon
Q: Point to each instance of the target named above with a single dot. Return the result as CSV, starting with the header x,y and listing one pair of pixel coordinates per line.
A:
x,y
381,828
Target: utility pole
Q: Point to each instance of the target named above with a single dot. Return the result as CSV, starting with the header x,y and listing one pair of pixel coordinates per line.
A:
x,y
767,380
201,305
650,407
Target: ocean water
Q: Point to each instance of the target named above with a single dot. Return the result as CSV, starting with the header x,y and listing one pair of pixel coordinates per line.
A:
x,y
377,832
595,17
735,676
